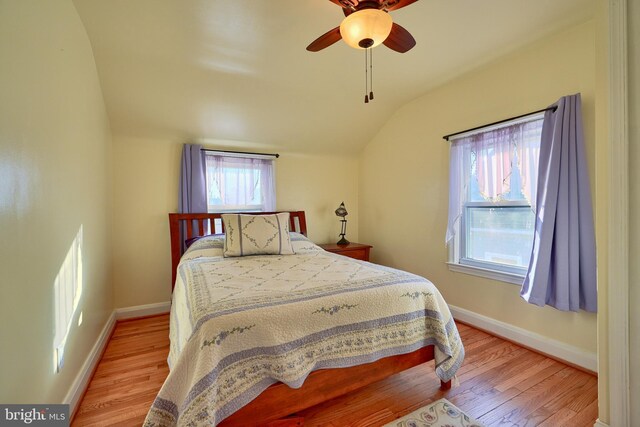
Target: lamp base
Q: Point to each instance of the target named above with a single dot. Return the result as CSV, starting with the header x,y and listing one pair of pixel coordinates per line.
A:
x,y
342,241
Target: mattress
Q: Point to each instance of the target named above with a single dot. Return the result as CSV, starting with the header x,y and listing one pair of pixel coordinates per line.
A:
x,y
240,324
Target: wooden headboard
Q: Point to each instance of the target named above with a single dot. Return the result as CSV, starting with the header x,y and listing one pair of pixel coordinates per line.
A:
x,y
196,222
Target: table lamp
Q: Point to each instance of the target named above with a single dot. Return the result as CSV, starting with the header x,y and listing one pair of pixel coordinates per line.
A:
x,y
342,213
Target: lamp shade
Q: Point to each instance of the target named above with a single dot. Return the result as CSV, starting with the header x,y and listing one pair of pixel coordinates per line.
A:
x,y
366,28
341,211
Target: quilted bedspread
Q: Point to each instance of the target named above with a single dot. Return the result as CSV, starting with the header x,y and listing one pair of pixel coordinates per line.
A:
x,y
239,325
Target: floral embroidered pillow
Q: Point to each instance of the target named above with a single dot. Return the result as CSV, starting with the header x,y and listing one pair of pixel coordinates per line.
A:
x,y
256,235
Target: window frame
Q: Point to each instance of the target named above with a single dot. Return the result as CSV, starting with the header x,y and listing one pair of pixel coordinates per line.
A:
x,y
487,265
242,208
456,261
487,270
235,208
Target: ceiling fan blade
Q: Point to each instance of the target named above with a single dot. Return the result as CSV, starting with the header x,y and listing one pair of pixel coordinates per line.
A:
x,y
325,40
400,39
345,3
397,4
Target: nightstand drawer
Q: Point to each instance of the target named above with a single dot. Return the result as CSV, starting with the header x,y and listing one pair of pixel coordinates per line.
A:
x,y
352,250
362,254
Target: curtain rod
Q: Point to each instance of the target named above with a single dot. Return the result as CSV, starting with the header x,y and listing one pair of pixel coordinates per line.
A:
x,y
241,152
554,108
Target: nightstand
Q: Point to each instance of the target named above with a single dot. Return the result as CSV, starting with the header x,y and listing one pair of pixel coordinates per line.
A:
x,y
352,250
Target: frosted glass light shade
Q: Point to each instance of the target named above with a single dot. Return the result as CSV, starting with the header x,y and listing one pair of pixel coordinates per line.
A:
x,y
366,28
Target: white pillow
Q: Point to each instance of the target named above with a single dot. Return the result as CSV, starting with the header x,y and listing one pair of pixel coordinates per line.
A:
x,y
256,235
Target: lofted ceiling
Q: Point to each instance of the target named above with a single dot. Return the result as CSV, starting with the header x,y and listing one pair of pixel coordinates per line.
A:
x,y
238,71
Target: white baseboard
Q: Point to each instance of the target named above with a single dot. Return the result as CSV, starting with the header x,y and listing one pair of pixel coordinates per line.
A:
x,y
600,424
142,310
81,382
553,348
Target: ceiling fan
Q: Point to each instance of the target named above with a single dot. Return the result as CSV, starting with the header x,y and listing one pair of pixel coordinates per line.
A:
x,y
367,23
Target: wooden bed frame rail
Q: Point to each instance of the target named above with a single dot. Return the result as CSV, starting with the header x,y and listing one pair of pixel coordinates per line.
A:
x,y
280,401
184,226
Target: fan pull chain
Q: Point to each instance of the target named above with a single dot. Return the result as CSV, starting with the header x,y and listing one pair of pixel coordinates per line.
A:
x,y
370,74
366,78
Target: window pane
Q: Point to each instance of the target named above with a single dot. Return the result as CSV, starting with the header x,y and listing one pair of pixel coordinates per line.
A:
x,y
239,184
502,163
501,235
234,188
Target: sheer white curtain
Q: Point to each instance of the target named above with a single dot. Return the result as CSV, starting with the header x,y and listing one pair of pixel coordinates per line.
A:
x,y
528,149
492,157
240,183
458,183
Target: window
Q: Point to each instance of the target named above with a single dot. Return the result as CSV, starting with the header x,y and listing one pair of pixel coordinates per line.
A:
x,y
493,180
240,183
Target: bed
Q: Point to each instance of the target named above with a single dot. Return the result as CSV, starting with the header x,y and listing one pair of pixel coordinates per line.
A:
x,y
257,338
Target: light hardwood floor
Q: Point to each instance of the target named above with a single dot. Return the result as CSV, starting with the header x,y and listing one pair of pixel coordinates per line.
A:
x,y
500,384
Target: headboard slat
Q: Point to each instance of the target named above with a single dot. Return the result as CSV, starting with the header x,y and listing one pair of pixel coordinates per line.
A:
x,y
202,219
189,230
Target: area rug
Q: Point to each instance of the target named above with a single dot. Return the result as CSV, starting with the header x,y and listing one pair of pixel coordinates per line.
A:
x,y
440,413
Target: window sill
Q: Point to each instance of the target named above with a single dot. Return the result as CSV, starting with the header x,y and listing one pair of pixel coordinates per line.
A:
x,y
502,276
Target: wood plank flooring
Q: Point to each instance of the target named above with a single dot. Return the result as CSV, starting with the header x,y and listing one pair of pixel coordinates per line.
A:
x,y
501,384
129,376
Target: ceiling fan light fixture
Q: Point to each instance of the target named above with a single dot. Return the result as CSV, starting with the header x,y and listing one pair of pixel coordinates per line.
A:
x,y
366,28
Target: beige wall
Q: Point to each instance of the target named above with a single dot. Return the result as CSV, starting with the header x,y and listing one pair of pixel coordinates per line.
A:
x,y
404,174
634,206
54,179
146,190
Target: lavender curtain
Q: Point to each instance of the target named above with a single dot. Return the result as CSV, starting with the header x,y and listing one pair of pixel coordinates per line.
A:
x,y
192,194
562,270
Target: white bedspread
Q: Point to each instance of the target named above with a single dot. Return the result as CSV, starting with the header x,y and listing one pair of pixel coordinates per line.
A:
x,y
239,325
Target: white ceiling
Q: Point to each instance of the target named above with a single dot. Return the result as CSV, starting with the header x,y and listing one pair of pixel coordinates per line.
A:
x,y
237,70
